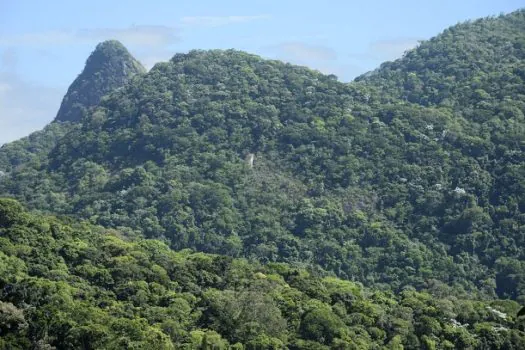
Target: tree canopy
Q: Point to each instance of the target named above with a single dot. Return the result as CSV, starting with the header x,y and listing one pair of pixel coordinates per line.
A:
x,y
72,285
408,181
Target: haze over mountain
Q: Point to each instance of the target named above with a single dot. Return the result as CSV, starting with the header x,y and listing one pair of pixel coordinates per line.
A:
x,y
410,178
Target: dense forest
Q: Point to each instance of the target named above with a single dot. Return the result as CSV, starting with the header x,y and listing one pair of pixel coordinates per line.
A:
x,y
71,285
389,211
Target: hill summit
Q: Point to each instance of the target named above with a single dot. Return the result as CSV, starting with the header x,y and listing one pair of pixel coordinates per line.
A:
x,y
410,178
109,67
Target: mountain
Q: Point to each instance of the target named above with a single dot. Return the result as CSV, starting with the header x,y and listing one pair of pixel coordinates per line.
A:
x,y
71,285
109,67
473,64
389,181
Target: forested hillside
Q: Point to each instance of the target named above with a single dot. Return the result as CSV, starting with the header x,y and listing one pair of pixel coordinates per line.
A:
x,y
66,285
33,149
477,64
410,178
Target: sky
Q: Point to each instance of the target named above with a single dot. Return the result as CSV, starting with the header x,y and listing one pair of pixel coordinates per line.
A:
x,y
44,44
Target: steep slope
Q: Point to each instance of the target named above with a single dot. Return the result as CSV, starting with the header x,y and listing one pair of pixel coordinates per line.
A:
x,y
32,148
70,285
474,64
375,188
477,71
109,67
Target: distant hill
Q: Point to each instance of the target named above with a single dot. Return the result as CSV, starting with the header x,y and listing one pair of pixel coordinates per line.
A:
x,y
109,67
409,178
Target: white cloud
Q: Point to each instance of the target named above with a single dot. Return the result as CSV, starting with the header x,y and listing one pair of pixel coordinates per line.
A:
x,y
138,35
25,107
151,56
51,37
303,52
387,49
135,35
4,88
216,21
344,71
324,59
8,59
393,47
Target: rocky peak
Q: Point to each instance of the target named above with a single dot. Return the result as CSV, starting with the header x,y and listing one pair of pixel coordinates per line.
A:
x,y
109,67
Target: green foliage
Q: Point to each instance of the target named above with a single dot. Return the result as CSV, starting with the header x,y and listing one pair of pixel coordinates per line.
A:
x,y
409,179
352,178
11,212
88,288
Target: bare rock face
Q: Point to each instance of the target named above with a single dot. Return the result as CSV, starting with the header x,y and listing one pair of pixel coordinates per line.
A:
x,y
109,67
249,159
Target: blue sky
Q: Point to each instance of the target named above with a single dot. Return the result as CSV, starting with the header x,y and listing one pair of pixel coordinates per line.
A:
x,y
44,44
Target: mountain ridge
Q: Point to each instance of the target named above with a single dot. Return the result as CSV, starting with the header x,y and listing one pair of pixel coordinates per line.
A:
x,y
405,184
350,177
109,66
